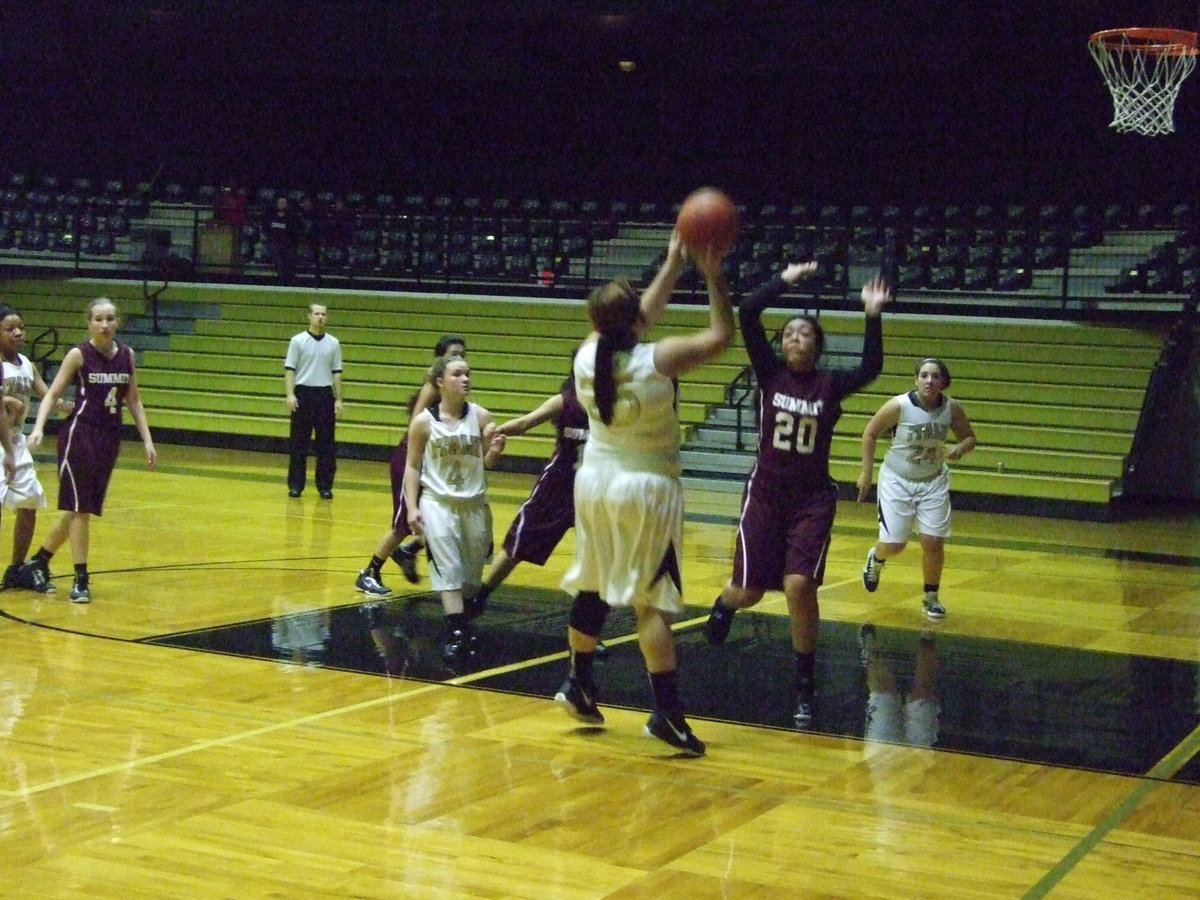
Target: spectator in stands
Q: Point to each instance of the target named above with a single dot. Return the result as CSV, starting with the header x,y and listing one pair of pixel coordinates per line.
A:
x,y
337,226
370,579
790,501
312,377
230,207
628,494
914,480
308,235
334,230
23,493
102,371
449,445
281,232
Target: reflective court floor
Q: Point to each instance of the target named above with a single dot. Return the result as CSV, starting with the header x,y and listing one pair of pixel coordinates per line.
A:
x,y
1056,706
228,717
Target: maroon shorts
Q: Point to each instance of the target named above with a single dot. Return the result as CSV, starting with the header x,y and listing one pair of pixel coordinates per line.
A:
x,y
544,518
780,533
86,457
399,504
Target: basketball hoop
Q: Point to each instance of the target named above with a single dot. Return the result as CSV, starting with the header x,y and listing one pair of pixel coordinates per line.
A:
x,y
1143,68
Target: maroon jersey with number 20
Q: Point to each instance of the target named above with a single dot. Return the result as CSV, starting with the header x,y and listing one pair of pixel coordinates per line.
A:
x,y
789,500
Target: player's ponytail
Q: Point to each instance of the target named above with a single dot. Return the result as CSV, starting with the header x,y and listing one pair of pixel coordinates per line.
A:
x,y
614,309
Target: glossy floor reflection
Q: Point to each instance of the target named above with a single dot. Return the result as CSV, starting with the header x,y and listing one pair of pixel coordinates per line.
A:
x,y
1066,707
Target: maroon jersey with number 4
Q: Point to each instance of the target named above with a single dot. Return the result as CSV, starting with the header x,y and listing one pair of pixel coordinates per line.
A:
x,y
90,439
101,385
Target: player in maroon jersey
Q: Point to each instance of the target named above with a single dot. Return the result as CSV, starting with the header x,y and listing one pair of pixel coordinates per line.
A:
x,y
102,371
549,511
790,500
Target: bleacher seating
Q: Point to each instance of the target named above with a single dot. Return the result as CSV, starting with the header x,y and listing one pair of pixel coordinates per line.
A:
x,y
1021,386
945,250
386,344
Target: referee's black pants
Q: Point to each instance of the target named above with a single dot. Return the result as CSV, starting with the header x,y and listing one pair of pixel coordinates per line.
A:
x,y
313,424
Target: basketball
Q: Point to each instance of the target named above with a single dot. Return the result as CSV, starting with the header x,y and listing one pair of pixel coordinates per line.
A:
x,y
708,220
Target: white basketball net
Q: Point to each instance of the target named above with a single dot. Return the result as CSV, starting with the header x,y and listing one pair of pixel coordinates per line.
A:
x,y
1143,77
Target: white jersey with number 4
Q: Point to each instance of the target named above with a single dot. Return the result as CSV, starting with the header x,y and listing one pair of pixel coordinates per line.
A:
x,y
452,467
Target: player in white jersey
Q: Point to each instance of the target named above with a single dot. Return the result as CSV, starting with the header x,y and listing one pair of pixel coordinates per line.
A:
x,y
23,493
449,446
628,496
370,579
914,481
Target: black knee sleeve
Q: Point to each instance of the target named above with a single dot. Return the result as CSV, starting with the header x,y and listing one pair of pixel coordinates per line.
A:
x,y
588,613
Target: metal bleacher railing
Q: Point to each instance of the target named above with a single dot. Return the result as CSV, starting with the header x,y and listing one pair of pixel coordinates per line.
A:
x,y
1049,261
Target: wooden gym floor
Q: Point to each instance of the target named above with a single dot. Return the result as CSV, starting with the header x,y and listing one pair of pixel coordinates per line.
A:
x,y
228,718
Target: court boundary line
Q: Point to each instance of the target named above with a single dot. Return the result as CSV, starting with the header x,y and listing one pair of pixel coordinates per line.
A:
x,y
1160,774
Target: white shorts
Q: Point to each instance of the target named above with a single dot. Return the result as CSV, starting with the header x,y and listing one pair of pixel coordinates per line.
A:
x,y
626,525
458,535
24,491
901,502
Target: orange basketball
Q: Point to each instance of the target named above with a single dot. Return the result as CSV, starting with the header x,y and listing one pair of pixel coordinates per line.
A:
x,y
708,220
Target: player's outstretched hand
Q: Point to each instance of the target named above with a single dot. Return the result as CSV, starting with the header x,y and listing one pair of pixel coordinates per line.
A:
x,y
676,252
875,294
496,446
708,261
794,272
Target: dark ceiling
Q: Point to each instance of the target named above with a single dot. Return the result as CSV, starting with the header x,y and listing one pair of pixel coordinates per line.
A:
x,y
856,98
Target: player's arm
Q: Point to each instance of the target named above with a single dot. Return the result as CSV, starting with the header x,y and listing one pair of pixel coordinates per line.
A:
x,y
10,456
66,374
418,437
884,421
754,335
40,388
675,355
550,408
425,397
133,399
963,432
876,294
493,440
656,296
14,410
289,389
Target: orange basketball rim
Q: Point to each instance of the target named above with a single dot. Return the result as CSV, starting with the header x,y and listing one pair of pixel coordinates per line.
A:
x,y
1143,69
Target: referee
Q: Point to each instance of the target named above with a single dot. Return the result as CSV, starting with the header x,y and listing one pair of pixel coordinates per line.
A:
x,y
312,374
